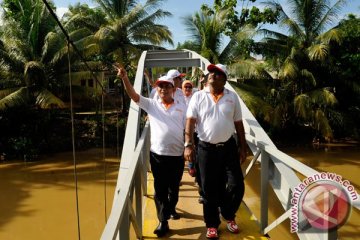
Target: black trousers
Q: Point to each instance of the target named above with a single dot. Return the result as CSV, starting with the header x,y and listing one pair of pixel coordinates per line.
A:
x,y
167,172
222,181
197,175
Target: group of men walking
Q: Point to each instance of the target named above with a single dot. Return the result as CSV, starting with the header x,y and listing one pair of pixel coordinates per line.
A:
x,y
216,115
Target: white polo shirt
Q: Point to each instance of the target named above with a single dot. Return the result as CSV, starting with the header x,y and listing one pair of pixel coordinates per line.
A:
x,y
166,126
214,121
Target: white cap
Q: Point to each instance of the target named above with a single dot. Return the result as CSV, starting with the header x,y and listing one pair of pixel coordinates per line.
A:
x,y
219,67
164,79
173,73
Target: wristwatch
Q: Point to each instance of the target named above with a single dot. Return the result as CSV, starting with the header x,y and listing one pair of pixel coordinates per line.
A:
x,y
188,144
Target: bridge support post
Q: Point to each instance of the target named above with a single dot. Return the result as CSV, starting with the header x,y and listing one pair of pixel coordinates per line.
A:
x,y
125,225
138,201
264,186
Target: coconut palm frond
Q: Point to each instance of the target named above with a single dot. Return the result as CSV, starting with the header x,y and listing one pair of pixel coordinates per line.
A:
x,y
87,46
46,100
289,69
53,42
229,53
256,105
91,50
60,57
18,98
6,92
278,115
302,106
333,35
247,32
318,52
83,16
322,124
331,14
207,31
294,28
308,76
249,69
323,97
252,86
156,34
79,34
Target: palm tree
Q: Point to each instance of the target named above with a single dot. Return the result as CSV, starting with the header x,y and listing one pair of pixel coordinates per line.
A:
x,y
25,45
302,55
81,16
207,33
131,27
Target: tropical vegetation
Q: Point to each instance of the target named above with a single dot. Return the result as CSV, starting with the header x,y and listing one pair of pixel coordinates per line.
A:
x,y
306,81
35,53
302,95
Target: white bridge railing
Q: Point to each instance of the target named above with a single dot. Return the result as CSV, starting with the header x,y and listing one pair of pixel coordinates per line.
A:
x,y
277,168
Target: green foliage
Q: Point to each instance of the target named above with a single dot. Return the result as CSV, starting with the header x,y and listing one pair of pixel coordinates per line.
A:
x,y
304,62
81,16
345,68
206,31
235,20
26,54
190,45
131,27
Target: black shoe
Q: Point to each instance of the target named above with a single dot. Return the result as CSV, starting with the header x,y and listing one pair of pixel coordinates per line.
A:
x,y
174,215
162,229
201,200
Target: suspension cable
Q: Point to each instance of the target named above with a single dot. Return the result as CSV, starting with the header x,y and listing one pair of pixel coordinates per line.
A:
x,y
73,145
104,159
69,41
72,44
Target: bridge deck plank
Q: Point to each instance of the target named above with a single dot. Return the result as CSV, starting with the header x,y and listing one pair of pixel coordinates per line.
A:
x,y
191,225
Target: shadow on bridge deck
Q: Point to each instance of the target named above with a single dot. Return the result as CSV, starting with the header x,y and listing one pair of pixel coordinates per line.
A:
x,y
191,225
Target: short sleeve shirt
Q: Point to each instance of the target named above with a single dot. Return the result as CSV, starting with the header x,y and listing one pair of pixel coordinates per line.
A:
x,y
166,126
214,121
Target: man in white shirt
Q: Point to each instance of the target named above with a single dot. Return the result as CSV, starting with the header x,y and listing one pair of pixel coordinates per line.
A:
x,y
167,123
217,114
176,77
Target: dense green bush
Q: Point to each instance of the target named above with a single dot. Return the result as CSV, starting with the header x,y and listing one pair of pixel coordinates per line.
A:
x,y
27,133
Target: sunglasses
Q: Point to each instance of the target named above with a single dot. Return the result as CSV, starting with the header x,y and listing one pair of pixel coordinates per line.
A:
x,y
188,87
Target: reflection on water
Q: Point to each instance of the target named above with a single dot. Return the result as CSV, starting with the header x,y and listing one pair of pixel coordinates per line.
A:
x,y
37,199
340,159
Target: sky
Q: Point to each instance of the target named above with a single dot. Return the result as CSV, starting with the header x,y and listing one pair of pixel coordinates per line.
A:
x,y
181,8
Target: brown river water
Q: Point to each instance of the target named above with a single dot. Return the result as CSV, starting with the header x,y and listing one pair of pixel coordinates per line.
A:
x,y
38,199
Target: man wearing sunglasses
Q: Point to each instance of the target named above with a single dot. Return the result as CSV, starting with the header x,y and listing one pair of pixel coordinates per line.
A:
x,y
217,114
167,123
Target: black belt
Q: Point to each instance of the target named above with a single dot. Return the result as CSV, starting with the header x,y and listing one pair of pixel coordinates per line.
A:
x,y
217,145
